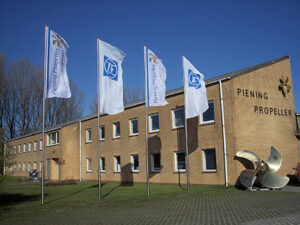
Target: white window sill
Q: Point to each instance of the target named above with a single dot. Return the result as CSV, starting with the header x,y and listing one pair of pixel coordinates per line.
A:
x,y
118,137
155,171
153,131
102,171
88,171
207,122
135,171
102,139
179,127
52,145
132,135
87,142
180,171
209,171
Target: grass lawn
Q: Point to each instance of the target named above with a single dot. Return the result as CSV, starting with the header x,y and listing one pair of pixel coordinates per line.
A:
x,y
20,199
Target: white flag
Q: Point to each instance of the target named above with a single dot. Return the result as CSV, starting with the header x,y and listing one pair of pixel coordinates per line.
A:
x,y
157,75
57,78
110,78
194,90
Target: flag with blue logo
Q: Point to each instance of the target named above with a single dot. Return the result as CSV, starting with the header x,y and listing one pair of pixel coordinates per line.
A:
x,y
57,78
157,75
110,78
194,90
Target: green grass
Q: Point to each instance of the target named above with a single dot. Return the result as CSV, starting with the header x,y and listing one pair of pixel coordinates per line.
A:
x,y
19,197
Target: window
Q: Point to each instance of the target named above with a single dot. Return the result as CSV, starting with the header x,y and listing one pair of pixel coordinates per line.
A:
x,y
53,138
134,129
88,164
102,164
88,135
15,149
155,162
29,147
41,144
34,146
179,161
154,123
19,148
209,160
24,147
34,166
178,118
29,166
117,164
15,167
41,165
116,130
19,167
24,166
102,133
135,163
209,115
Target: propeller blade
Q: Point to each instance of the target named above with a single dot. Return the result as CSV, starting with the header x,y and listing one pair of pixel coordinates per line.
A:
x,y
247,178
273,181
274,160
248,155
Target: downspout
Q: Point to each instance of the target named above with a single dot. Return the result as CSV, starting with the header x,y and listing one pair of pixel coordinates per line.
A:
x,y
223,132
80,176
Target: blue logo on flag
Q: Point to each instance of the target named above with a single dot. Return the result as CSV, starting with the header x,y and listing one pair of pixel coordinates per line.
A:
x,y
110,68
194,79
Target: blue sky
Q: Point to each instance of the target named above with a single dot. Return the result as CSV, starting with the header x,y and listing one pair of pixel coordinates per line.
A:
x,y
216,36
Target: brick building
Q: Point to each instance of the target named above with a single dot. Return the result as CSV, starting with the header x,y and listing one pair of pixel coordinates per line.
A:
x,y
256,115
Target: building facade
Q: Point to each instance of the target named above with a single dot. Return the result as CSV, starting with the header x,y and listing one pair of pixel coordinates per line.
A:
x,y
248,109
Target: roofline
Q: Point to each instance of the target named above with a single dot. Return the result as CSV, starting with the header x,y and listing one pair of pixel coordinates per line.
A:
x,y
169,93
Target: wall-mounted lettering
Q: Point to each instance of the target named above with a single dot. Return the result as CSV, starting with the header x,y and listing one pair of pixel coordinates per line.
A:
x,y
252,93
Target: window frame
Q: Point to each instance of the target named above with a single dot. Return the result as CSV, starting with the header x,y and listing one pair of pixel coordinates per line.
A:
x,y
88,165
116,168
34,165
56,141
24,147
204,160
29,166
131,127
209,121
24,166
100,138
132,163
102,159
173,118
153,169
150,123
20,148
115,130
34,146
88,135
41,144
176,161
29,147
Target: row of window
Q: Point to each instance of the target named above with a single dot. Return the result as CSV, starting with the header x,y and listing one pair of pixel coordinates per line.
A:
x,y
52,139
178,121
209,162
25,166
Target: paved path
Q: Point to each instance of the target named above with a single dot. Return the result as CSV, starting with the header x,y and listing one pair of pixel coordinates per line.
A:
x,y
230,207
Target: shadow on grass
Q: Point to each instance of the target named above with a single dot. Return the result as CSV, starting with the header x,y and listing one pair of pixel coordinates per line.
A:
x,y
74,193
7,200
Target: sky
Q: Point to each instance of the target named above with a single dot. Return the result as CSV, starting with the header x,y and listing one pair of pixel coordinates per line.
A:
x,y
218,37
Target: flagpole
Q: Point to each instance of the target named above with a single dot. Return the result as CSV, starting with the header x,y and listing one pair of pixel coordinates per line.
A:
x,y
146,118
98,122
44,99
186,133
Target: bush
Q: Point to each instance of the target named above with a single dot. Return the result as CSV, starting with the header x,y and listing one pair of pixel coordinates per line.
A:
x,y
63,182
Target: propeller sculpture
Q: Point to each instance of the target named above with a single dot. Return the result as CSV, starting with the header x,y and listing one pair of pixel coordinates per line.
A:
x,y
263,174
